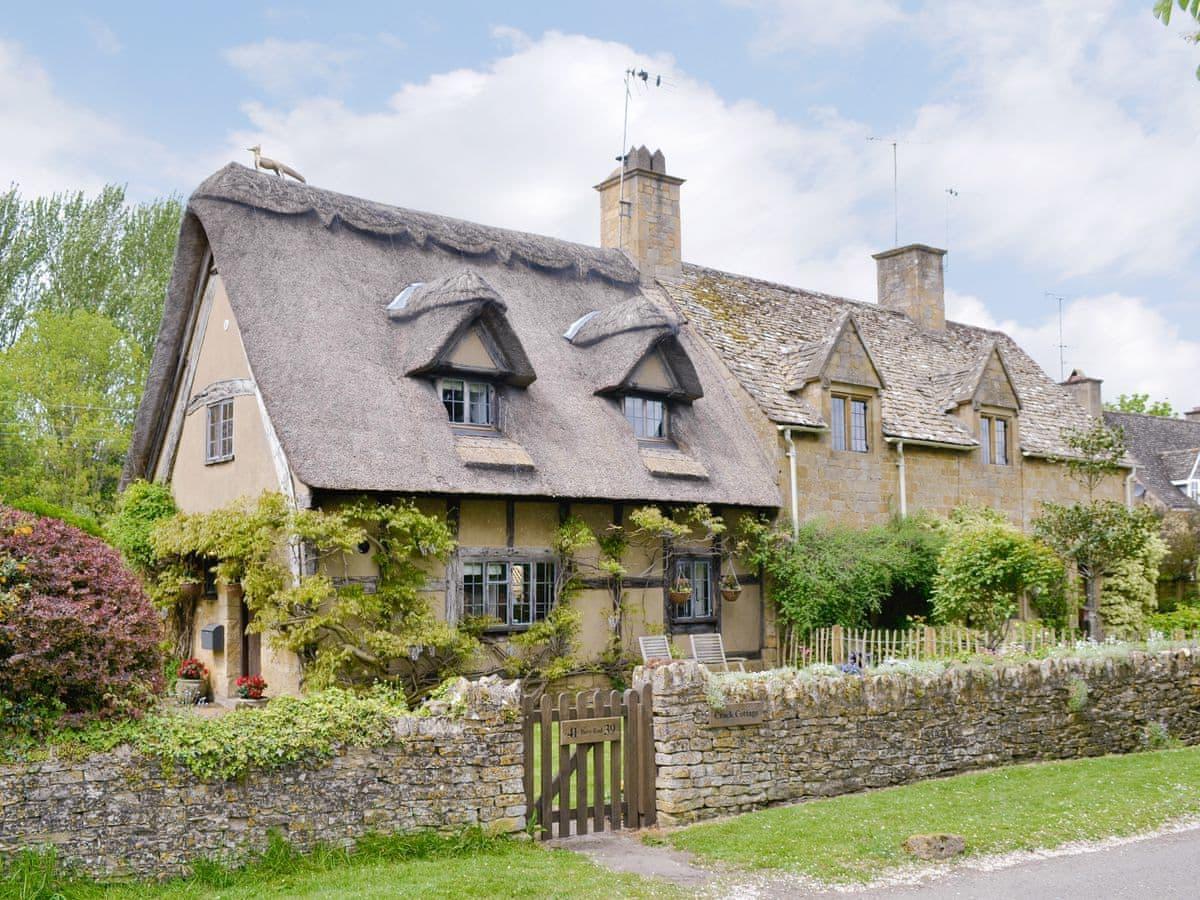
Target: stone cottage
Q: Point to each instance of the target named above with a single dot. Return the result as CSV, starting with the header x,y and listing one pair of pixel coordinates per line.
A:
x,y
326,346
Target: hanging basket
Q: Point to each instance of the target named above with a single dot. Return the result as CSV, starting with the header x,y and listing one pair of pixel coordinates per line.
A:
x,y
730,594
680,598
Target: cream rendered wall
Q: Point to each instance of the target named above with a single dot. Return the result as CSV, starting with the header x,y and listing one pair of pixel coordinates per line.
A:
x,y
201,488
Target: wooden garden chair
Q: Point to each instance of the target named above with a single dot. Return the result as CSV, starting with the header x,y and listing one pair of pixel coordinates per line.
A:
x,y
709,650
654,646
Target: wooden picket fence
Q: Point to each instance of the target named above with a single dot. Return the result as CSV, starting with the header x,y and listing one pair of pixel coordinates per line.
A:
x,y
868,647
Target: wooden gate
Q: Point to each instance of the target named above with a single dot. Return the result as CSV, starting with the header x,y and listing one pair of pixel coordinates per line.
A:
x,y
589,758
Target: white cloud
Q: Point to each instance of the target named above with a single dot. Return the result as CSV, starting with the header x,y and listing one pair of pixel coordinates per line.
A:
x,y
102,36
519,142
1120,339
53,145
291,68
789,24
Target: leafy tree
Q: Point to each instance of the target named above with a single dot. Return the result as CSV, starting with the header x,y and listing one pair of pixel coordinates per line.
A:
x,y
1164,8
69,388
69,252
1099,536
343,634
1181,565
985,569
78,636
1141,403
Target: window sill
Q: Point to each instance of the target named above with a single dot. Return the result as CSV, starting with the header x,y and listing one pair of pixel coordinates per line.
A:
x,y
219,460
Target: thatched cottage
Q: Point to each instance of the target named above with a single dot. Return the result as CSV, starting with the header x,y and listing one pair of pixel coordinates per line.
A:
x,y
326,346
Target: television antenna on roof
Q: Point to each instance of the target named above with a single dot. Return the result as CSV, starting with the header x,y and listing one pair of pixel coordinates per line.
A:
x,y
895,142
632,76
1062,365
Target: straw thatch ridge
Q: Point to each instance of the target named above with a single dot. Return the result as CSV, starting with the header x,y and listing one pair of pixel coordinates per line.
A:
x,y
638,313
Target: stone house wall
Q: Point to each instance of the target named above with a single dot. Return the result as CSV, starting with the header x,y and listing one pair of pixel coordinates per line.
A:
x,y
833,736
121,813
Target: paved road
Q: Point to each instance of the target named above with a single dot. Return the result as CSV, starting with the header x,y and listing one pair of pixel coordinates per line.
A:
x,y
1150,869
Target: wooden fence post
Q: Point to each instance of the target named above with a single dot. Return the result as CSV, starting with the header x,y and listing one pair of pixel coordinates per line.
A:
x,y
930,642
838,647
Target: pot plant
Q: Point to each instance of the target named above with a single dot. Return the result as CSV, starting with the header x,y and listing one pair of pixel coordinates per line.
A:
x,y
731,589
250,690
680,591
189,683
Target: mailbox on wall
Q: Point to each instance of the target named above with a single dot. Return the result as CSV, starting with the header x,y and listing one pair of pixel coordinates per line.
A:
x,y
212,637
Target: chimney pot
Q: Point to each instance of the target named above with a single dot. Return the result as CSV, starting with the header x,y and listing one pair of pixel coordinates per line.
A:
x,y
641,215
1086,392
911,281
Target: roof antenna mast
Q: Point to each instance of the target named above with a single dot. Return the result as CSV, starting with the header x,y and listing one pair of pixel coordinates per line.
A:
x,y
1062,367
631,75
951,193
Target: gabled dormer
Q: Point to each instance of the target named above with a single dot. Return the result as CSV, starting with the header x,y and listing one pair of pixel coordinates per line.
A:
x,y
984,398
456,334
839,376
636,358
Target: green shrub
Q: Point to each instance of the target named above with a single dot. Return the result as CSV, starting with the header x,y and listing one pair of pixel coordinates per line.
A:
x,y
984,570
1186,618
138,509
40,507
837,575
289,730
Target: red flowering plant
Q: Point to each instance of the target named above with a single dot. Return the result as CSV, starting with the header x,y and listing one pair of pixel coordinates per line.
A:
x,y
193,670
77,632
251,687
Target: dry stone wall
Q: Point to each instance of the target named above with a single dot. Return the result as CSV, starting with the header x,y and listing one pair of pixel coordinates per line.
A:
x,y
121,813
826,736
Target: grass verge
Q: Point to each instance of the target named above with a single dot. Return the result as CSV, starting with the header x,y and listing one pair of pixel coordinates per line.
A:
x,y
470,864
857,837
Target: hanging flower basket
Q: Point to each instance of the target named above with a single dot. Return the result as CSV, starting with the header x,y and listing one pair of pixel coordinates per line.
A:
x,y
731,589
680,591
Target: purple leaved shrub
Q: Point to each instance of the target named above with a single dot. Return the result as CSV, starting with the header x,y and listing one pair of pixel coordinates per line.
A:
x,y
77,633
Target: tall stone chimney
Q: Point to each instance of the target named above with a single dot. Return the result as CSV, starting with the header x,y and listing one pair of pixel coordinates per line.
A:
x,y
911,282
1086,392
1193,414
645,224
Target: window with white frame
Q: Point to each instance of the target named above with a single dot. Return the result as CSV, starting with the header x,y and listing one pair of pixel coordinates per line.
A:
x,y
515,594
647,416
848,422
994,438
218,444
469,402
1190,487
700,572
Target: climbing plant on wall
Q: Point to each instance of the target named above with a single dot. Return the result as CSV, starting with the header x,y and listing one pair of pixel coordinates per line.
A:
x,y
292,566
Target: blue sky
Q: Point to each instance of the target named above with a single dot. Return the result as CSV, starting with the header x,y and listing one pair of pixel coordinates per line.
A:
x,y
1067,127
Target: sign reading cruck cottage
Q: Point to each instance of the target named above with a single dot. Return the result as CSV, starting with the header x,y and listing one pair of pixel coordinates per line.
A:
x,y
590,731
753,712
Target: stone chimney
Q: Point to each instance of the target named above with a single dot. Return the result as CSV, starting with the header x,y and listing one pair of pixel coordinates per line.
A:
x,y
1086,392
645,224
910,281
1193,414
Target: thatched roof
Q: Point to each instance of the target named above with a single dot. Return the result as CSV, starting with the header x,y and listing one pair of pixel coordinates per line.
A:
x,y
311,274
772,335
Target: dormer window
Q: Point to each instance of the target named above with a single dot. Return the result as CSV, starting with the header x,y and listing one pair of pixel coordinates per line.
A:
x,y
848,423
472,403
647,416
993,439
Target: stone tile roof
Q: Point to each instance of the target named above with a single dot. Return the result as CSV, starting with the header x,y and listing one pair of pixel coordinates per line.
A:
x,y
763,331
1164,450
